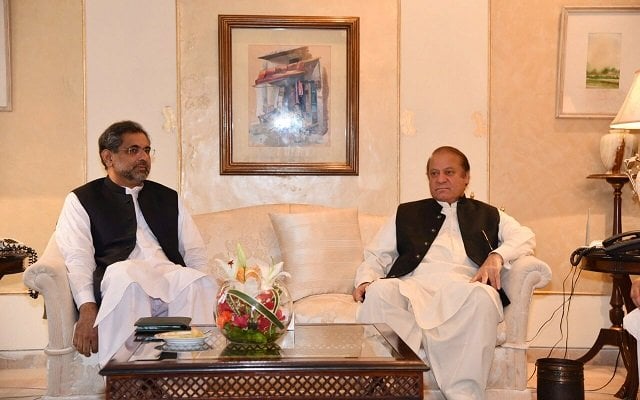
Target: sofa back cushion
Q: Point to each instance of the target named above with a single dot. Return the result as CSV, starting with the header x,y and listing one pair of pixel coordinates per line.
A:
x,y
251,227
321,250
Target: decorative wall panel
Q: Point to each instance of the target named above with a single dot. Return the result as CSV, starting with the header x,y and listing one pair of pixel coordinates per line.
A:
x,y
375,190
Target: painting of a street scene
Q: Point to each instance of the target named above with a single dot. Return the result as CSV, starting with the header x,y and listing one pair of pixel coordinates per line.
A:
x,y
603,61
289,95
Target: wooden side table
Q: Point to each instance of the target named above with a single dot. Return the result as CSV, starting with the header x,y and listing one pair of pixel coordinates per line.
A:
x,y
620,268
616,335
617,181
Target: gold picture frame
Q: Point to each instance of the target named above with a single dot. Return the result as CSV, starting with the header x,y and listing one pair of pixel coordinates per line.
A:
x,y
598,52
5,57
288,95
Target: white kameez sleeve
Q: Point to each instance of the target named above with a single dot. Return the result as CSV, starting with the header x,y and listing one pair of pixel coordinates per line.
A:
x,y
379,255
191,245
515,240
73,236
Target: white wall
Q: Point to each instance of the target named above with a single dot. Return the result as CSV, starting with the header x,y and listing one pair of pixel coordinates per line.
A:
x,y
577,327
131,73
20,314
444,89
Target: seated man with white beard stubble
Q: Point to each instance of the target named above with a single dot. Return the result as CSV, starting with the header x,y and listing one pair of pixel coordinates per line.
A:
x,y
433,275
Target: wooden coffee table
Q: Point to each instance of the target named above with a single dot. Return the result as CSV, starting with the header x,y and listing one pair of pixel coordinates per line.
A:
x,y
314,361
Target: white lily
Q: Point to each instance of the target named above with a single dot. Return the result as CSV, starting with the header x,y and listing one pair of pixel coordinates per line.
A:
x,y
228,268
248,279
271,273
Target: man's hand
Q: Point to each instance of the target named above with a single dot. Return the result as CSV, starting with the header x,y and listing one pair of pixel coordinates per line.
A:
x,y
635,292
358,293
85,336
489,271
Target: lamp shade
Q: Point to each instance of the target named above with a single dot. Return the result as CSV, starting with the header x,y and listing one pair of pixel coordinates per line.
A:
x,y
629,115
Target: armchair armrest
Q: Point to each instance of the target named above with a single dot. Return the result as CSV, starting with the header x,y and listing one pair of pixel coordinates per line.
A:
x,y
48,276
69,374
526,274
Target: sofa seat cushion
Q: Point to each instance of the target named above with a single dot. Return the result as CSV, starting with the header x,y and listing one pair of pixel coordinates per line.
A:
x,y
341,308
326,308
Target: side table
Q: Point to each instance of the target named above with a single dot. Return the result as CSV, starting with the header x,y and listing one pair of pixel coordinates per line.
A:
x,y
617,181
616,335
12,263
620,268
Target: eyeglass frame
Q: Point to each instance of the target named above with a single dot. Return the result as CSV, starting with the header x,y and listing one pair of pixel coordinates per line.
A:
x,y
134,150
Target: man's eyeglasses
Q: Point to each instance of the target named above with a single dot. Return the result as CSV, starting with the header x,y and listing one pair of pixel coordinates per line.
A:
x,y
135,150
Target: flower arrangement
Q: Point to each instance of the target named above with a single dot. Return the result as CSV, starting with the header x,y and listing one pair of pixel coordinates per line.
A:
x,y
253,306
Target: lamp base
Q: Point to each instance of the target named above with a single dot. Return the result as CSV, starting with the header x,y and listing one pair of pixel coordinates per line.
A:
x,y
615,147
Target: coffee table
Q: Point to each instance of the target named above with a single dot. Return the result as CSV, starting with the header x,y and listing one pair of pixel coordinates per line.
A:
x,y
313,361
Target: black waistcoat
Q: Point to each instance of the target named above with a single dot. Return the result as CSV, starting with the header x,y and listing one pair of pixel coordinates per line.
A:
x,y
418,224
113,221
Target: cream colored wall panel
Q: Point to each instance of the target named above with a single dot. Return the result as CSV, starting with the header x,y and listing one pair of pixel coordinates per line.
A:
x,y
444,89
23,326
42,140
132,74
375,190
540,163
545,330
31,220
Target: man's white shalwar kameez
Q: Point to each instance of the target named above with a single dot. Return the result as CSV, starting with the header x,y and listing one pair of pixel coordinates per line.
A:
x,y
146,284
631,323
435,308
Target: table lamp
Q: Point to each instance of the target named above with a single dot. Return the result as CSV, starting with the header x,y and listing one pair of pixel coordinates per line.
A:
x,y
620,144
629,115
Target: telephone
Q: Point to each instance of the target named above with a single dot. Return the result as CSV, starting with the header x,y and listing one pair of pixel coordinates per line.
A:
x,y
620,246
10,247
623,243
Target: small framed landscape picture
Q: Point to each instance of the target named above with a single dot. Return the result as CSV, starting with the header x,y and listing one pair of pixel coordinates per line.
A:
x,y
599,51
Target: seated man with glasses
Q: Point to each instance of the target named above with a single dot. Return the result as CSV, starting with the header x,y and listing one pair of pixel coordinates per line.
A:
x,y
131,248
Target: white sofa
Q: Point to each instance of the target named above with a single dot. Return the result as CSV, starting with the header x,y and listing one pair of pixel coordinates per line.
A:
x,y
72,376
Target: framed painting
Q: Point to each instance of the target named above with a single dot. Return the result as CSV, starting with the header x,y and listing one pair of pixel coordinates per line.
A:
x,y
5,57
288,95
599,50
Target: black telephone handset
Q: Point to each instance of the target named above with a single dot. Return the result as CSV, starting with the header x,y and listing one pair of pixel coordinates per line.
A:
x,y
625,245
622,243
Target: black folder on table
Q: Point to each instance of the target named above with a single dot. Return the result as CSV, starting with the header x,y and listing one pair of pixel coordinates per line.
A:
x,y
162,324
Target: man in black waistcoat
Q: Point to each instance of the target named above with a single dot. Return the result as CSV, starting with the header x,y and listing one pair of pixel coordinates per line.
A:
x,y
131,248
433,274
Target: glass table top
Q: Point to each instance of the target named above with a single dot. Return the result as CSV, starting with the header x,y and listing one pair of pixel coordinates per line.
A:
x,y
315,341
